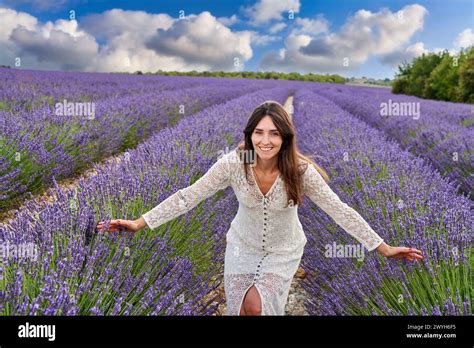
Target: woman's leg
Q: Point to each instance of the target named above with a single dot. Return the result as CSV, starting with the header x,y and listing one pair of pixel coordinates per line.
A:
x,y
242,310
252,303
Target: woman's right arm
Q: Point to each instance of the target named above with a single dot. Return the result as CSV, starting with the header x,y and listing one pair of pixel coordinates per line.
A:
x,y
182,201
140,223
120,225
215,179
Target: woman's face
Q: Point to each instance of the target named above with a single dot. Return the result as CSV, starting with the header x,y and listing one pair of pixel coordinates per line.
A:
x,y
266,138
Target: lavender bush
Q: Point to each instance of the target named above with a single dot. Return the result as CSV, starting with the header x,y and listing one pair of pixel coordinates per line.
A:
x,y
37,144
442,132
174,269
167,271
405,202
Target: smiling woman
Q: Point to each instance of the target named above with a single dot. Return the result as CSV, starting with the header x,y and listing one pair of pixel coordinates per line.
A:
x,y
265,241
271,134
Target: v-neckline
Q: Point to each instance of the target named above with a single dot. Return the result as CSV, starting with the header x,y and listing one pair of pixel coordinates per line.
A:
x,y
258,187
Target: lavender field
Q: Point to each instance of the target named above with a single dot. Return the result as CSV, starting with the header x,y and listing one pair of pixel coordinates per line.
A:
x,y
40,139
409,176
440,132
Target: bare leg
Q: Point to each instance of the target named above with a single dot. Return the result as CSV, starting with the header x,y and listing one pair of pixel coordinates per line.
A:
x,y
242,310
252,304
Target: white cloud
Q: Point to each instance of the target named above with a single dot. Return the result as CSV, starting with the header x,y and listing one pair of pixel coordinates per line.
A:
x,y
364,34
125,33
404,54
465,39
277,27
11,19
261,40
228,21
266,10
50,46
129,41
295,41
311,26
61,44
116,22
199,39
41,5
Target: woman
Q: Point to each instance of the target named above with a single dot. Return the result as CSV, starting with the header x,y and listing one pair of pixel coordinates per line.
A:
x,y
265,241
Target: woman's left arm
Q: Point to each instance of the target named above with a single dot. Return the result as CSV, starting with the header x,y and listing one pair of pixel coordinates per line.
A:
x,y
411,254
350,220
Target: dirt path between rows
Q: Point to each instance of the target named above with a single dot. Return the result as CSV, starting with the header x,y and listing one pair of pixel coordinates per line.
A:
x,y
49,197
297,295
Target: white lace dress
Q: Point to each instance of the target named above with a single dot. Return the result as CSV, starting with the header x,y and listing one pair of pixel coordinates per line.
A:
x,y
265,241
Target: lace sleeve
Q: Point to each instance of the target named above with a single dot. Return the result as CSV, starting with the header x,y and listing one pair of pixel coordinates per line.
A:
x,y
182,201
321,194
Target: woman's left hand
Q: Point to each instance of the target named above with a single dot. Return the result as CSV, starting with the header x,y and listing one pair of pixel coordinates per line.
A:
x,y
410,254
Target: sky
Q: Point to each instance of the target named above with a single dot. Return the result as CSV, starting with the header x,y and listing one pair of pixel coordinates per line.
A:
x,y
349,38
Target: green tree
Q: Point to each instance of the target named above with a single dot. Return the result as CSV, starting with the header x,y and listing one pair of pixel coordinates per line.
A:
x,y
466,77
443,79
420,72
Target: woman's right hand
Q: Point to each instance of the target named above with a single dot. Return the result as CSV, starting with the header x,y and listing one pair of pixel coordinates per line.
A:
x,y
121,225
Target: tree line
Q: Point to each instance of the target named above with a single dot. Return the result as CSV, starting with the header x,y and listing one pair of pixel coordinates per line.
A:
x,y
333,78
441,76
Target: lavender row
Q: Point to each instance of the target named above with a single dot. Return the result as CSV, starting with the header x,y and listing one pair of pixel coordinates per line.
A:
x,y
39,144
404,200
29,89
455,113
170,270
441,132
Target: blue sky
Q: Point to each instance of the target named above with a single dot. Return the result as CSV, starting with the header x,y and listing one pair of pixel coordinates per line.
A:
x,y
351,38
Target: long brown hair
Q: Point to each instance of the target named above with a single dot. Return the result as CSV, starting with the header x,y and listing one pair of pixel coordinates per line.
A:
x,y
288,157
